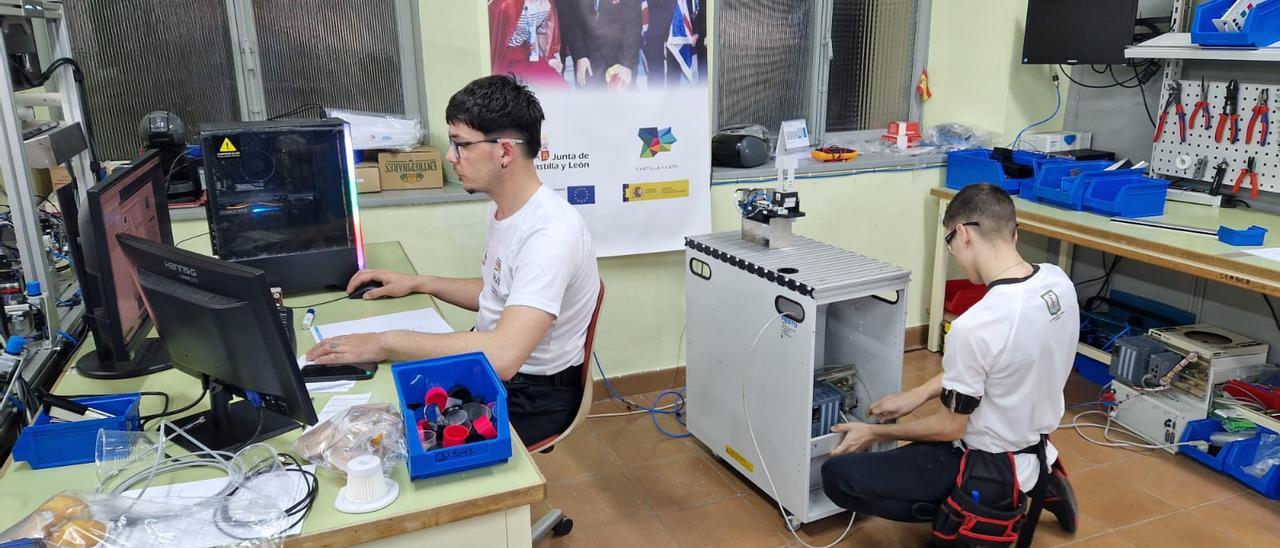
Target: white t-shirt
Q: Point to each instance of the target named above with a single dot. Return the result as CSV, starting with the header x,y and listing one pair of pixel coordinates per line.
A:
x,y
1015,349
542,257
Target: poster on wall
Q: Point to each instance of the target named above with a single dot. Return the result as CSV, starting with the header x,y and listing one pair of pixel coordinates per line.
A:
x,y
627,131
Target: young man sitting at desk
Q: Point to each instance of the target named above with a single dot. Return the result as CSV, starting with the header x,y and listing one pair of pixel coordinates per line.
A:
x,y
538,284
1003,373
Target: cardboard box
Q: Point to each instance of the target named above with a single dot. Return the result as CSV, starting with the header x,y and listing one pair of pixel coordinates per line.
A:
x,y
417,168
368,177
45,181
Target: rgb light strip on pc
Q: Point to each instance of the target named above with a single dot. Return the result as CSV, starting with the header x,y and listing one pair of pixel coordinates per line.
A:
x,y
355,195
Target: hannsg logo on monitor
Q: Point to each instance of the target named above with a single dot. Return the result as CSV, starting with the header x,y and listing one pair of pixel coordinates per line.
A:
x,y
182,270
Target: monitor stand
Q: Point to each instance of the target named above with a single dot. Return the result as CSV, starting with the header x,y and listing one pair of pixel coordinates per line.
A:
x,y
151,356
228,426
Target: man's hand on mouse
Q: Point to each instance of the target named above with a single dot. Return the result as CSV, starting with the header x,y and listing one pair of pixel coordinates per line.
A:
x,y
357,348
394,284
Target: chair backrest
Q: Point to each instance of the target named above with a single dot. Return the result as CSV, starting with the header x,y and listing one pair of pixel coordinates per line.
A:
x,y
584,408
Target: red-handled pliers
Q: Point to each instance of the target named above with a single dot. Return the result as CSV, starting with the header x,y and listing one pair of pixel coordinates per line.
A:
x,y
1174,100
1261,111
1248,170
1230,113
1203,104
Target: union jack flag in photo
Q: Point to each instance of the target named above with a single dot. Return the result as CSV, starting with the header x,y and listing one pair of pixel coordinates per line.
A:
x,y
682,40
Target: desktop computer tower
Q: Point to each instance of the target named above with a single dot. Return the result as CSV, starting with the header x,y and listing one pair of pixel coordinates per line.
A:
x,y
282,199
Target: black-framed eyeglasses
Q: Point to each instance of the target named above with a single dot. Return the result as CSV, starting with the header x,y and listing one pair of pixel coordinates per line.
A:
x,y
457,146
952,235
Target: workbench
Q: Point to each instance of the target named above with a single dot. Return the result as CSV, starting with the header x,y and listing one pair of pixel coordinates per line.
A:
x,y
1198,255
484,507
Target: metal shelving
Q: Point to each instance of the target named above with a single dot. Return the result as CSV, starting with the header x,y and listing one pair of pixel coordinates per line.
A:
x,y
1177,45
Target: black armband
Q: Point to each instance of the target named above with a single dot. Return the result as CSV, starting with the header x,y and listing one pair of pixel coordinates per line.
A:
x,y
962,404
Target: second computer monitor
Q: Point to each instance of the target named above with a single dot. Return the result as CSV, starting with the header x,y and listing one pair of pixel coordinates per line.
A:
x,y
219,321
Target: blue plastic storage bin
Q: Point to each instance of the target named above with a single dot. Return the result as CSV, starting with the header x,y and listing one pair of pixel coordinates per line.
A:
x,y
1093,370
1239,457
1201,430
48,445
1254,235
1061,183
967,167
1121,194
473,371
1261,28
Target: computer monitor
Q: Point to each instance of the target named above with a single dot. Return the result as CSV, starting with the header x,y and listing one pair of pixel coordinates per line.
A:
x,y
1078,32
132,201
220,323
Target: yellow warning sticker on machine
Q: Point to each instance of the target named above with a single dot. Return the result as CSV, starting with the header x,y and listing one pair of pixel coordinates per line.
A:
x,y
663,190
741,459
228,149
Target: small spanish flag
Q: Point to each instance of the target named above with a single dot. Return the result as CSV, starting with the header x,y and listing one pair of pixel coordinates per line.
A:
x,y
923,87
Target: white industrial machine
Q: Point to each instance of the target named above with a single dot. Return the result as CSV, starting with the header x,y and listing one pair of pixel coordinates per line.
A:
x,y
769,329
1221,356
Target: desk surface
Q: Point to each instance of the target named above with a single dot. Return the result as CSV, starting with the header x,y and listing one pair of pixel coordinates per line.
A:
x,y
422,504
1198,255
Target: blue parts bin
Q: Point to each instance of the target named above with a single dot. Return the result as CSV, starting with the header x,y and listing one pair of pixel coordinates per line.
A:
x,y
1232,458
1261,28
1253,235
1124,194
968,167
1202,430
472,371
1059,182
45,444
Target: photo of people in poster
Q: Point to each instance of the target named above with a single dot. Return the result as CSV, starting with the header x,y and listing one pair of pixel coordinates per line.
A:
x,y
611,44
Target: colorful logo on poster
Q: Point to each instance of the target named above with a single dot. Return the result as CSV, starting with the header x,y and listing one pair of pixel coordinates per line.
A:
x,y
664,190
655,141
544,152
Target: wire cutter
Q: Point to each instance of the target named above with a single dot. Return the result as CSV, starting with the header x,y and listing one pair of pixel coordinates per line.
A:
x,y
1203,104
1230,113
1248,170
1174,100
1261,111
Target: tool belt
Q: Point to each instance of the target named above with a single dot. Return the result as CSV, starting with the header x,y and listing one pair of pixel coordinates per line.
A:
x,y
987,507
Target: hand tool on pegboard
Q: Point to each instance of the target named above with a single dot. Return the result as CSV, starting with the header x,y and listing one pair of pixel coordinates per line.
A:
x,y
1173,101
1230,112
1202,104
1249,170
1261,111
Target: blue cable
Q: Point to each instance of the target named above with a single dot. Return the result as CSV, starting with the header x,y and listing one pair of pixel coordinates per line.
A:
x,y
1057,90
68,337
677,411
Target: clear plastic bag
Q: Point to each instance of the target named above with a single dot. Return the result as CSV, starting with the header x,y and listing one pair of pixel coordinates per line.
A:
x,y
952,136
1267,457
379,130
89,520
369,429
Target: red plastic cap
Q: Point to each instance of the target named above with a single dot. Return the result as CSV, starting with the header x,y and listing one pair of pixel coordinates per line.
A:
x,y
455,435
437,396
485,428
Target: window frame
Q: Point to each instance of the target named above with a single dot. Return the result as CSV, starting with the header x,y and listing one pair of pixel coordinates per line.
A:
x,y
820,56
248,66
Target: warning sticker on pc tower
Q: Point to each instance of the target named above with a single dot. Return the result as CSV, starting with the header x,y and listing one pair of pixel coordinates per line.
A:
x,y
227,149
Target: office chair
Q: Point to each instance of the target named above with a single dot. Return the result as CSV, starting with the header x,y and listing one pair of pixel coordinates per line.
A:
x,y
554,521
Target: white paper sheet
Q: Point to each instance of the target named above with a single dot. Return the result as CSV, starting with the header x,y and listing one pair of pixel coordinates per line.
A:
x,y
199,530
426,320
1272,253
338,404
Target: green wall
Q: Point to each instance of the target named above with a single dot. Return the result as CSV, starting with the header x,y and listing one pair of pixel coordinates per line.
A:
x,y
888,215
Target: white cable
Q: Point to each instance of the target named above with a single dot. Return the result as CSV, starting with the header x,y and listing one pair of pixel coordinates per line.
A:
x,y
629,413
1106,433
746,368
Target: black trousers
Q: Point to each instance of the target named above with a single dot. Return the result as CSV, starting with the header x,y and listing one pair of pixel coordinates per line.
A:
x,y
538,411
903,484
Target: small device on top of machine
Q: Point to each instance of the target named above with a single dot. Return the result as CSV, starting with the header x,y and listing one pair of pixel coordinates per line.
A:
x,y
282,199
164,131
768,214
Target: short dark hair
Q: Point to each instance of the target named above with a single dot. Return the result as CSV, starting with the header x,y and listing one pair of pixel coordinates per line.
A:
x,y
987,204
499,104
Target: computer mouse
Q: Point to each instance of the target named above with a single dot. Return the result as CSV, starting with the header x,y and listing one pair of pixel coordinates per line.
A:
x,y
359,292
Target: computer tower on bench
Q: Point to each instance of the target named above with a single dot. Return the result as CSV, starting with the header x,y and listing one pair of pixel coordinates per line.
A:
x,y
282,199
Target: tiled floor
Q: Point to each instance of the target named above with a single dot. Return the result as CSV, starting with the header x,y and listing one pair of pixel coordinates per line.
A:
x,y
625,484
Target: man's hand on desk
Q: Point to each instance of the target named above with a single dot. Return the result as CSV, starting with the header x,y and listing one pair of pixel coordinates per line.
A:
x,y
357,348
394,284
